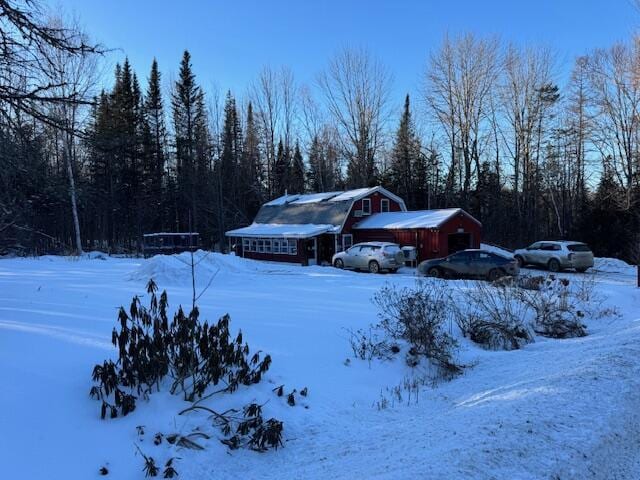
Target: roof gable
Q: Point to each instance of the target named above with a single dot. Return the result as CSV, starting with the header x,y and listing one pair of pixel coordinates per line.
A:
x,y
332,197
410,220
327,208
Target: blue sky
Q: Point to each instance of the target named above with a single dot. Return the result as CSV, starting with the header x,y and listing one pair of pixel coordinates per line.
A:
x,y
231,40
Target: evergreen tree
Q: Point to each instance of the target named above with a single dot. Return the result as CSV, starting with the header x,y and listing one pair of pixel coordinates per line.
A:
x,y
317,167
154,140
187,107
231,184
251,171
405,154
281,170
297,172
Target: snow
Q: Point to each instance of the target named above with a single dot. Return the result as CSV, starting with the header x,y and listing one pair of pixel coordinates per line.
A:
x,y
314,197
415,219
497,250
320,197
555,409
283,199
164,234
277,230
352,194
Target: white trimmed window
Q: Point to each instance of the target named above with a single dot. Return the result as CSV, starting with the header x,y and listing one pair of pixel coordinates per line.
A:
x,y
293,247
267,245
245,244
347,241
384,205
276,245
366,206
260,245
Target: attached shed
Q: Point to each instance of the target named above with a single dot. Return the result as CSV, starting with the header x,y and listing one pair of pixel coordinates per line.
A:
x,y
434,233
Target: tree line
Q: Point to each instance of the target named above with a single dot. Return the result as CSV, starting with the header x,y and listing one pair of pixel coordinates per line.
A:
x,y
491,131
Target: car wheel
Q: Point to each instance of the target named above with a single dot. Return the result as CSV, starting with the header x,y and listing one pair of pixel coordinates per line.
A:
x,y
338,263
520,261
581,270
553,265
433,272
494,274
374,267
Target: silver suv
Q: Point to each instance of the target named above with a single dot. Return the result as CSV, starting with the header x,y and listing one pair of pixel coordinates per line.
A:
x,y
372,256
556,256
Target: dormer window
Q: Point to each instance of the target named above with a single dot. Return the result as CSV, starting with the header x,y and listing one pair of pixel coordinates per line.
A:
x,y
366,206
384,205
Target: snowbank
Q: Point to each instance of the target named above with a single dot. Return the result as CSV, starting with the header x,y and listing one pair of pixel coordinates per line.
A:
x,y
613,265
555,409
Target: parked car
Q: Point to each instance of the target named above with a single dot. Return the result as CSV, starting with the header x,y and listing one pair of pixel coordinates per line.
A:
x,y
371,256
556,255
470,263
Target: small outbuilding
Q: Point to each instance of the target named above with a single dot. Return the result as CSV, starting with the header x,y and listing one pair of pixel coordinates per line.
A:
x,y
434,233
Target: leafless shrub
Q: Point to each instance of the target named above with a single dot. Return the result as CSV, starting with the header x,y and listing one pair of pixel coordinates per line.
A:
x,y
407,392
494,317
556,309
370,344
419,316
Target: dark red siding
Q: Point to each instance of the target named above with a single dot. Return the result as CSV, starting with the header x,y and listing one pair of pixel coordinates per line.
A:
x,y
375,208
430,243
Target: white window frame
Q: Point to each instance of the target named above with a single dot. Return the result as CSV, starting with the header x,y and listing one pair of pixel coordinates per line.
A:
x,y
368,203
344,243
245,244
293,247
267,245
276,245
385,201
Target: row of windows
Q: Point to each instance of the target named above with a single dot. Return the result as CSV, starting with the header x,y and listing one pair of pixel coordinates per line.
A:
x,y
366,205
281,246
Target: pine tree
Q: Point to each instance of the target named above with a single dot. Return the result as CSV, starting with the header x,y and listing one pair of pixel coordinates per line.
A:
x,y
231,184
405,154
251,171
184,102
316,177
281,170
296,178
155,138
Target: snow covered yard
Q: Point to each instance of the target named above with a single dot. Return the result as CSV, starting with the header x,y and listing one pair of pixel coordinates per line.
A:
x,y
555,409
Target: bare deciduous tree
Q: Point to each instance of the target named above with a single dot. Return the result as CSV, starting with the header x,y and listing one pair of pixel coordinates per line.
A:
x,y
356,88
274,97
74,76
614,76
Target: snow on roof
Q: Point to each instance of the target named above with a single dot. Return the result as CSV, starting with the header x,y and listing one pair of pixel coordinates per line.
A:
x,y
278,230
351,194
283,200
346,196
173,234
416,219
314,197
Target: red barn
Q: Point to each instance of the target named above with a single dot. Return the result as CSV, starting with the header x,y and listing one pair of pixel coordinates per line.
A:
x,y
309,229
434,233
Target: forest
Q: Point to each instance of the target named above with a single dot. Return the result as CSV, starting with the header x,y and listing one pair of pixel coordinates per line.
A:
x,y
92,162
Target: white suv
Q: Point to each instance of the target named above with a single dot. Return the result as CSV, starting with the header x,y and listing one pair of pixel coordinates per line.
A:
x,y
372,256
556,255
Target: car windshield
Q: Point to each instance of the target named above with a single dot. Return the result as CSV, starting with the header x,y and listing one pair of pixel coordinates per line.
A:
x,y
578,247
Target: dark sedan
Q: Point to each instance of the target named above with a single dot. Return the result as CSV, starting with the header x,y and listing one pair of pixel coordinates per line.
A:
x,y
470,264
